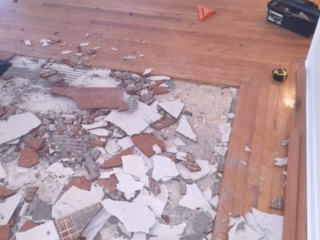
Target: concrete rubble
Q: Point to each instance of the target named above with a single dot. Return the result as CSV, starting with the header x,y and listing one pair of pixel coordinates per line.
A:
x,y
101,154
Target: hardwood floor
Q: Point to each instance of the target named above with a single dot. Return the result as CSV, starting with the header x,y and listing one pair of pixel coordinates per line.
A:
x,y
234,47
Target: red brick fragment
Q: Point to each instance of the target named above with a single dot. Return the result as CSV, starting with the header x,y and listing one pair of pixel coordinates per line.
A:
x,y
28,158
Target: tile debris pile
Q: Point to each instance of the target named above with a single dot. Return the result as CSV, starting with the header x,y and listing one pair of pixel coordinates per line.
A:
x,y
100,154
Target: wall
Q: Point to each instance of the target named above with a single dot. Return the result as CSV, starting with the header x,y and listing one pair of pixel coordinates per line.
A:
x,y
313,137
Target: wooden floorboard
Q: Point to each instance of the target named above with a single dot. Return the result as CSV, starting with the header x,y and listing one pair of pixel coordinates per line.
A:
x,y
235,47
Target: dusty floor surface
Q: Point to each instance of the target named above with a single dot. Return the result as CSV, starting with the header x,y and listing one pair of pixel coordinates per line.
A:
x,y
184,204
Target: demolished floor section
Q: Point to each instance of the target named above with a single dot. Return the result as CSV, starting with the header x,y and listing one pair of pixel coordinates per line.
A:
x,y
148,165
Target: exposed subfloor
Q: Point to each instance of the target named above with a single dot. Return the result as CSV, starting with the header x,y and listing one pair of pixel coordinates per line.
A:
x,y
185,199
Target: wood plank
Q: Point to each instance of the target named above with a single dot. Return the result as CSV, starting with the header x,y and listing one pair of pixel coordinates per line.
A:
x,y
300,122
290,211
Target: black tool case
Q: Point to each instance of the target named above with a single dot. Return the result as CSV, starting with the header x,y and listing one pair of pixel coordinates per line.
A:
x,y
298,16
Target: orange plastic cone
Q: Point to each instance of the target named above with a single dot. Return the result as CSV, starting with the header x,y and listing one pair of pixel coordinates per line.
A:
x,y
205,12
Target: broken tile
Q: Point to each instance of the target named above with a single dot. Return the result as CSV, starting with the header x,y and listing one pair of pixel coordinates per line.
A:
x,y
2,172
79,182
247,149
77,199
156,149
186,174
155,204
147,71
96,142
8,207
214,201
183,188
91,168
134,122
91,98
160,90
195,199
280,162
44,231
133,165
277,204
4,232
163,123
185,129
59,170
113,147
191,165
34,143
128,186
174,108
95,153
128,213
167,231
100,132
6,192
163,167
154,186
145,142
75,129
201,223
95,225
30,193
108,183
170,155
71,226
225,130
28,158
21,123
39,210
116,160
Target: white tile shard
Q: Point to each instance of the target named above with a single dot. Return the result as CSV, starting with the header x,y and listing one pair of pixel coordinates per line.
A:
x,y
187,174
77,199
167,231
95,125
27,42
214,201
136,122
281,162
195,199
66,52
45,42
84,44
125,142
147,71
247,149
45,231
225,130
163,167
113,147
107,174
159,78
156,149
91,231
102,132
135,217
185,129
174,108
156,205
133,165
59,170
8,207
2,172
17,126
127,184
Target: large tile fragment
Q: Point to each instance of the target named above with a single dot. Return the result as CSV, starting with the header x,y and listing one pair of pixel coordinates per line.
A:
x,y
185,129
71,226
116,160
45,231
108,183
145,143
28,158
174,108
8,207
91,98
79,182
134,122
163,167
134,216
17,126
34,143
